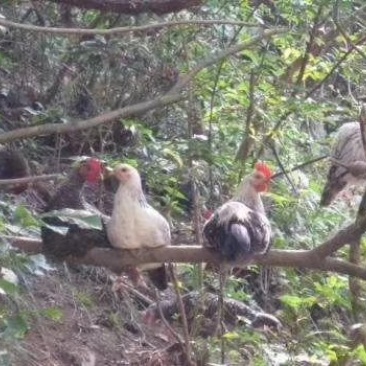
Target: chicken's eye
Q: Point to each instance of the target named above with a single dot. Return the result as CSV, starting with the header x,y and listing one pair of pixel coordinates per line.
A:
x,y
124,170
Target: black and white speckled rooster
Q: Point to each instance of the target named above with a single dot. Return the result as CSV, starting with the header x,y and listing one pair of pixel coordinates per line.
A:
x,y
239,228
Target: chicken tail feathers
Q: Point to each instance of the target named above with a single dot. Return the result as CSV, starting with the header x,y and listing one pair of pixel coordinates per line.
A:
x,y
235,243
159,277
336,182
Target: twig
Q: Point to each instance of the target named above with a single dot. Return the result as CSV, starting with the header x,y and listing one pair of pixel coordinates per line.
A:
x,y
309,47
182,314
220,310
147,301
297,167
354,283
279,162
165,322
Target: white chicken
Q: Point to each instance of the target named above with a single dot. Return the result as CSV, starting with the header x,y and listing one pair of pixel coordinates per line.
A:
x,y
239,228
134,224
348,162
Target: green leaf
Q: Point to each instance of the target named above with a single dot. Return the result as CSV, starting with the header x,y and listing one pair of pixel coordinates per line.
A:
x,y
8,287
16,327
231,336
54,314
297,302
24,217
82,218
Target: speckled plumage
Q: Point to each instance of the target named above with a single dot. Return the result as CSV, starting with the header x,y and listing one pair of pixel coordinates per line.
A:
x,y
347,149
239,228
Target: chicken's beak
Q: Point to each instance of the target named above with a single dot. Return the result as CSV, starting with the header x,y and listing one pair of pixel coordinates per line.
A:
x,y
107,173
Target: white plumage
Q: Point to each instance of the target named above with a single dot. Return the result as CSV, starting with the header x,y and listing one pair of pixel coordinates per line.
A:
x,y
348,162
134,224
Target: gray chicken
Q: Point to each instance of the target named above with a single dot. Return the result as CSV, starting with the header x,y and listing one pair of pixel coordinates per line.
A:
x,y
348,162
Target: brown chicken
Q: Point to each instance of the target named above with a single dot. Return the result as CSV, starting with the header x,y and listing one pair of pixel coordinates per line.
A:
x,y
13,165
62,238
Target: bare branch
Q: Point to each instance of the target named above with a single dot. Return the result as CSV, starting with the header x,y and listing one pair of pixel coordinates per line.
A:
x,y
120,30
300,166
343,237
49,128
118,260
25,244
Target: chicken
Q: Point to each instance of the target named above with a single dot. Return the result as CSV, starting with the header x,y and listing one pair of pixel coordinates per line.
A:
x,y
13,165
69,194
239,228
348,162
62,238
134,224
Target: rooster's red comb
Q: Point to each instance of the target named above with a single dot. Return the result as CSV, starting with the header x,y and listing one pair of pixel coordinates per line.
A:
x,y
264,169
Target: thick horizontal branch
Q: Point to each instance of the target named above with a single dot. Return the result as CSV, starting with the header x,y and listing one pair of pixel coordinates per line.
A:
x,y
25,244
118,260
340,239
121,30
128,111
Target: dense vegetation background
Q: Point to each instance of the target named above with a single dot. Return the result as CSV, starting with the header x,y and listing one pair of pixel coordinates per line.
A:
x,y
199,98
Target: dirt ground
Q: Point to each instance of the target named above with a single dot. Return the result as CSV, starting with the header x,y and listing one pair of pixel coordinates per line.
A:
x,y
75,319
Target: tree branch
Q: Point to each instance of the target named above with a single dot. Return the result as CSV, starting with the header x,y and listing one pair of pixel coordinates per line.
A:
x,y
49,128
121,30
117,260
343,237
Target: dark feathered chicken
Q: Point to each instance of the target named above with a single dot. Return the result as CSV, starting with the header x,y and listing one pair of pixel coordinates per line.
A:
x,y
239,228
348,162
101,195
63,238
69,194
13,165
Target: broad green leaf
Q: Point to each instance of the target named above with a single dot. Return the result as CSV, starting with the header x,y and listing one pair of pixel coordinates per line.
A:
x,y
82,218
